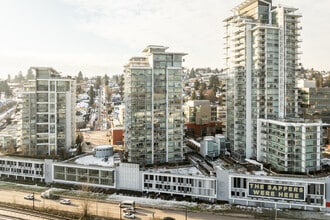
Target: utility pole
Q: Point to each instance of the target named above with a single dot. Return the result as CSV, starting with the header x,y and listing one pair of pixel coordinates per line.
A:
x,y
33,200
186,212
275,217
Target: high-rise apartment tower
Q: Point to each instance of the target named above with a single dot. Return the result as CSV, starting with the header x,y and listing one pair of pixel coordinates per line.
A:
x,y
262,48
153,107
48,113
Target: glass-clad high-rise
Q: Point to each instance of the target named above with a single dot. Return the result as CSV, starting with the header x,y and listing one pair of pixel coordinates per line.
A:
x,y
262,48
48,113
153,107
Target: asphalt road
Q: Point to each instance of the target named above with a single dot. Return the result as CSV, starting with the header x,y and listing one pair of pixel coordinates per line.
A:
x,y
108,209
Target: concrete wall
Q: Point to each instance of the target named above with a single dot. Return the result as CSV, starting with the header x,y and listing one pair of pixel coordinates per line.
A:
x,y
129,177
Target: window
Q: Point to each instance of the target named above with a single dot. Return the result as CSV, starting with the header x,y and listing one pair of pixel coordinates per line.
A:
x,y
237,182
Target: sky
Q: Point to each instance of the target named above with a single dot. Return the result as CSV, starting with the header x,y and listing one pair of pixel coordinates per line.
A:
x,y
98,37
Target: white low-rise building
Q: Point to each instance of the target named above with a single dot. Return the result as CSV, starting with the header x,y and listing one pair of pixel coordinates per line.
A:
x,y
187,181
234,185
22,168
273,191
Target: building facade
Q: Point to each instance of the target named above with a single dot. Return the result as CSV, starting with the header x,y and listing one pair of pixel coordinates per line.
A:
x,y
314,102
262,48
48,113
200,118
292,146
153,107
213,147
231,186
193,185
273,192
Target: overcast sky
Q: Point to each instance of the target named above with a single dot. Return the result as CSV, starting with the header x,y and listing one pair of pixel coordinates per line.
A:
x,y
98,37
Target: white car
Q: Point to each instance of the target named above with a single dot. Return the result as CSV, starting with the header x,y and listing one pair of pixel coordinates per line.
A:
x,y
29,197
65,201
131,216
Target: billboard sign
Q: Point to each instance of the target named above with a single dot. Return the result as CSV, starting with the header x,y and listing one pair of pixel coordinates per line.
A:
x,y
276,191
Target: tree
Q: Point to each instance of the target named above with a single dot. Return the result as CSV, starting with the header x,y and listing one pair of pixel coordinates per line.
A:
x,y
203,86
85,203
192,73
79,90
106,79
98,82
214,82
115,79
4,88
108,93
91,94
327,81
29,75
318,80
19,78
202,90
193,95
79,140
196,85
80,77
209,94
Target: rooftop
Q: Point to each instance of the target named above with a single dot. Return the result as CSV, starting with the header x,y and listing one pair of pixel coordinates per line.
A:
x,y
187,170
91,160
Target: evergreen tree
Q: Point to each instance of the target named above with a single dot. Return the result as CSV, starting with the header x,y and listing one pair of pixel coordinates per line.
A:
x,y
106,80
80,77
91,94
214,82
98,82
29,75
192,73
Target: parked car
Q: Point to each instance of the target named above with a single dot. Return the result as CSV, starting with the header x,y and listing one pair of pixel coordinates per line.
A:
x,y
65,201
29,197
131,216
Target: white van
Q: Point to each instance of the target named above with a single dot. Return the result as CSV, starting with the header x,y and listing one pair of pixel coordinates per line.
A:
x,y
127,204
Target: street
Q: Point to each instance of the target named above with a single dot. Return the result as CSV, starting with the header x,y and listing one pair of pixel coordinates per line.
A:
x,y
105,209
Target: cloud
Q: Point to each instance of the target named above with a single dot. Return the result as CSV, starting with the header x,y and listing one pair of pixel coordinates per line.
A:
x,y
186,26
91,33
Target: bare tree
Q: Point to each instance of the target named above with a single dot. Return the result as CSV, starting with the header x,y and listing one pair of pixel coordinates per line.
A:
x,y
85,203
